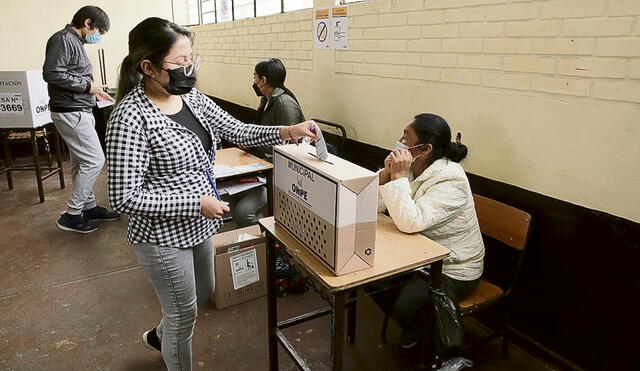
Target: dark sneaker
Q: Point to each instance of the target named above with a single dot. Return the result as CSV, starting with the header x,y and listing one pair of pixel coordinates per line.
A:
x,y
151,341
99,213
76,223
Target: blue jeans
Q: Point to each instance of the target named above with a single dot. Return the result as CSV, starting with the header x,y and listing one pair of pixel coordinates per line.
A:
x,y
183,280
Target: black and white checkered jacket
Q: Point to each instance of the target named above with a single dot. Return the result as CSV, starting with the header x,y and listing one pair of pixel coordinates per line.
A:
x,y
157,167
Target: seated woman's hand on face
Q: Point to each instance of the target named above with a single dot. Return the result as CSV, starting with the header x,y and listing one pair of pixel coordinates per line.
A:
x,y
398,163
212,208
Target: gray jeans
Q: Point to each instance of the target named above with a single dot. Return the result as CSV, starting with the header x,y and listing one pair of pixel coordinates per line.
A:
x,y
87,159
183,280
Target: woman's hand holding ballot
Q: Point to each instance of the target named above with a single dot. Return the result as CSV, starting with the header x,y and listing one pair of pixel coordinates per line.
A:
x,y
301,130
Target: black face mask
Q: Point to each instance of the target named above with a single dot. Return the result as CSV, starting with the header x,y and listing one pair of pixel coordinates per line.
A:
x,y
257,90
179,83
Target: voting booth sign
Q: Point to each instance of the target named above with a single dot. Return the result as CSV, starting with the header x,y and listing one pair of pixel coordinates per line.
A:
x,y
24,100
329,206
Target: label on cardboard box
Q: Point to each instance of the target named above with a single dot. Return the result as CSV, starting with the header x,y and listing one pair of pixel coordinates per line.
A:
x,y
244,269
11,104
306,186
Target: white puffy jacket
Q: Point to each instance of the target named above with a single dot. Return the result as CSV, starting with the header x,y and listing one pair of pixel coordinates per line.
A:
x,y
439,204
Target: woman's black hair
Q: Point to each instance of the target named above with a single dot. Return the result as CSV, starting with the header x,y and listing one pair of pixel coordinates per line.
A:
x,y
151,39
433,129
99,19
275,73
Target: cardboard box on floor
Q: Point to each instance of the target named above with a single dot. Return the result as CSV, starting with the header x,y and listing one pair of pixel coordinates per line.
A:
x,y
329,206
240,266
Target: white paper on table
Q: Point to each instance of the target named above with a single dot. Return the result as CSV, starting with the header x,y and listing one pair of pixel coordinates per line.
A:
x,y
222,170
233,187
249,167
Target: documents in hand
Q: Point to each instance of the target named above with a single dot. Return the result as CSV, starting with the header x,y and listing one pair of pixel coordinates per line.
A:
x,y
104,103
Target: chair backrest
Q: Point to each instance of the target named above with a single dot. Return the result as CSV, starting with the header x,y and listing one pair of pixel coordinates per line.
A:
x,y
502,222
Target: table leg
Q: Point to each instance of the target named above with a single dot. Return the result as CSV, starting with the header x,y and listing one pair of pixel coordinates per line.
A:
x,y
269,177
435,275
36,163
435,281
58,149
272,308
337,331
351,319
8,163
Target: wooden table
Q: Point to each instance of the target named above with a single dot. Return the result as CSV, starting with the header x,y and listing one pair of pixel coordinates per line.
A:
x,y
396,253
236,157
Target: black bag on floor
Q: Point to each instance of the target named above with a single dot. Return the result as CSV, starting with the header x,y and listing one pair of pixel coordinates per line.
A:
x,y
447,332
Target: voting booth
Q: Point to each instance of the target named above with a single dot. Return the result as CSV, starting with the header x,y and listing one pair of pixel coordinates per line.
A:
x,y
24,100
329,206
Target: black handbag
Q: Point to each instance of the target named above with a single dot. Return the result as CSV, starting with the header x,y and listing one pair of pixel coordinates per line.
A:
x,y
448,332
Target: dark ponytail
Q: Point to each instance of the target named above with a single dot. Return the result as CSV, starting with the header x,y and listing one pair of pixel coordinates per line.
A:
x,y
127,78
274,71
150,40
456,151
433,129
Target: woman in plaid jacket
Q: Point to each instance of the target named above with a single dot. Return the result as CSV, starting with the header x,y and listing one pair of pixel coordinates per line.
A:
x,y
160,153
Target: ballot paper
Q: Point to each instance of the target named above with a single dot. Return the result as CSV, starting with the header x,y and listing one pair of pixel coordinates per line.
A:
x,y
104,103
321,146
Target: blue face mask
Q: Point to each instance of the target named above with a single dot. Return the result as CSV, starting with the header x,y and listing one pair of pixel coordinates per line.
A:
x,y
94,37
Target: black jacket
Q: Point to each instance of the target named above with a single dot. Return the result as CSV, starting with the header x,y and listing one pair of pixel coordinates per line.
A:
x,y
68,72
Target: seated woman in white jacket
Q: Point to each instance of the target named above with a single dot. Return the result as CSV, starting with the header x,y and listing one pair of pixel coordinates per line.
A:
x,y
425,190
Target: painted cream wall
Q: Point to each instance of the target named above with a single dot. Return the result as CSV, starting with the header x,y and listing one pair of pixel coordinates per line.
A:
x,y
26,25
545,92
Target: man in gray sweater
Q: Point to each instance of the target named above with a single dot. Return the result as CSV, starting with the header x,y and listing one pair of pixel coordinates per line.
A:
x,y
72,95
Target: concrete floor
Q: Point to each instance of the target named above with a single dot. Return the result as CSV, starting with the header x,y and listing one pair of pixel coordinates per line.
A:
x,y
80,302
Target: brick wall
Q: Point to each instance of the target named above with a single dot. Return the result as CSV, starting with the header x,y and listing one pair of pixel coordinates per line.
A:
x,y
545,92
286,36
587,48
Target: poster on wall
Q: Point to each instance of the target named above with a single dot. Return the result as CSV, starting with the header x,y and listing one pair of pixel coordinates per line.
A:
x,y
340,27
224,10
321,23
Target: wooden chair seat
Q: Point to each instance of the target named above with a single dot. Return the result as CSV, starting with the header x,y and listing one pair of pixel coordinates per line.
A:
x,y
484,295
24,135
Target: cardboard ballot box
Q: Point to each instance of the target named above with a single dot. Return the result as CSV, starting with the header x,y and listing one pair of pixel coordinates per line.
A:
x,y
240,266
329,206
24,100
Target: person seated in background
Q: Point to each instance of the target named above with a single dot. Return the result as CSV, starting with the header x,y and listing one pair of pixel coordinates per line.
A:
x,y
425,190
278,106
